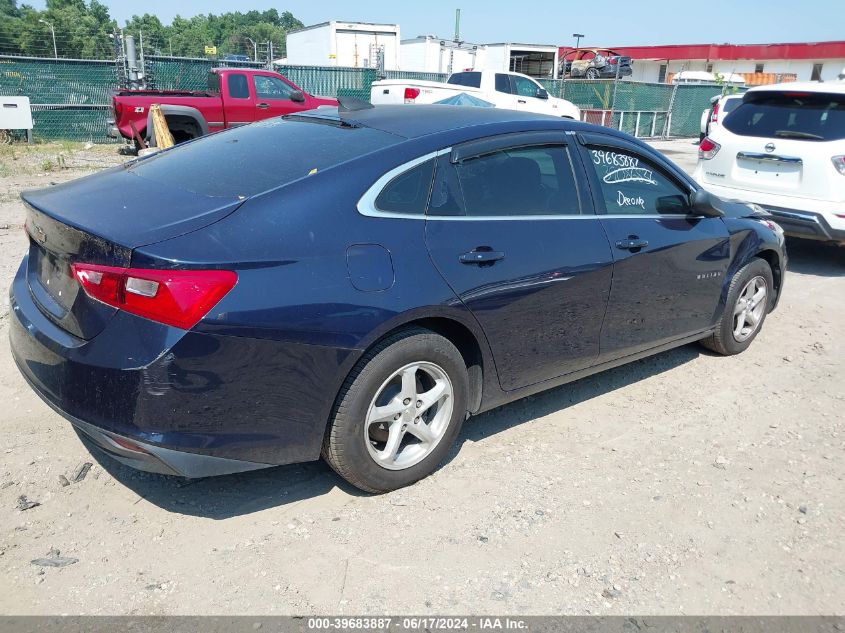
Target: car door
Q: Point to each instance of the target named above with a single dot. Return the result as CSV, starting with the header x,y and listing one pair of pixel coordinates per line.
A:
x,y
669,265
273,97
238,100
503,95
511,231
527,95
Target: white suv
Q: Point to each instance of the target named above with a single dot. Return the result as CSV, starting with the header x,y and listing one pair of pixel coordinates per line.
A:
x,y
783,149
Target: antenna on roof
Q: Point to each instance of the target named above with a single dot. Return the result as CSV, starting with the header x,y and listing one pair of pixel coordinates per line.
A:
x,y
352,104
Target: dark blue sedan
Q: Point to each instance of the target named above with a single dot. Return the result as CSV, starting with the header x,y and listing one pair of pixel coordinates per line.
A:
x,y
355,283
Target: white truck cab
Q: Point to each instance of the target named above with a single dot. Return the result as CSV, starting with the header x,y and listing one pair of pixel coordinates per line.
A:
x,y
509,90
783,148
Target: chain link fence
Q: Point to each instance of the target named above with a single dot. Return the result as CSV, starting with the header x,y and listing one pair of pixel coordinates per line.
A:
x,y
71,99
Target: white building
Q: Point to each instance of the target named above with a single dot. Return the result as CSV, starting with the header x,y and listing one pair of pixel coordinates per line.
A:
x,y
757,63
432,54
429,53
351,44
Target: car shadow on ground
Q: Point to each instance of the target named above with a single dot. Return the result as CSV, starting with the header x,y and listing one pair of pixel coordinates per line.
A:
x,y
809,257
244,493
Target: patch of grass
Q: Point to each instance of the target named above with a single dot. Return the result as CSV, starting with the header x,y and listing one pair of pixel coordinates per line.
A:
x,y
5,170
47,165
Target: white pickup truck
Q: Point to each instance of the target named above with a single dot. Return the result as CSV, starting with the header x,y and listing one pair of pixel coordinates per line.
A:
x,y
508,90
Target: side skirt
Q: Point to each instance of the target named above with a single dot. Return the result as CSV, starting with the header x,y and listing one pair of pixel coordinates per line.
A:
x,y
530,390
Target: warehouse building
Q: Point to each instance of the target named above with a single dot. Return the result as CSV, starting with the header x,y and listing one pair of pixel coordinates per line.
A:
x,y
428,53
757,63
349,44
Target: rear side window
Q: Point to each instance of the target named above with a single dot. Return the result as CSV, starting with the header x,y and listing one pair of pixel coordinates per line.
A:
x,y
468,79
503,83
731,105
250,159
408,192
238,87
513,182
803,116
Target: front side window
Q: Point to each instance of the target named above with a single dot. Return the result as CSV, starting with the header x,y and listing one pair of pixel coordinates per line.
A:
x,y
632,185
511,182
524,87
408,192
803,116
271,88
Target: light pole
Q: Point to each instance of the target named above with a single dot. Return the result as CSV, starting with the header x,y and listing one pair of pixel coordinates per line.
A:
x,y
53,31
254,48
577,37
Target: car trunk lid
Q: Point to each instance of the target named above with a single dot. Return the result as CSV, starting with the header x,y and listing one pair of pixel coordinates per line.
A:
x,y
100,220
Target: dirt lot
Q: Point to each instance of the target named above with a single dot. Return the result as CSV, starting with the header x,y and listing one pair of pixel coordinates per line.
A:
x,y
684,483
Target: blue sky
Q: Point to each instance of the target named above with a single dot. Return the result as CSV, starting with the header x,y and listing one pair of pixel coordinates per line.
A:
x,y
604,22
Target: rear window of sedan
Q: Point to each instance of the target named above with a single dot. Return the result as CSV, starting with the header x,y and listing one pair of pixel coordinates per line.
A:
x,y
802,116
255,158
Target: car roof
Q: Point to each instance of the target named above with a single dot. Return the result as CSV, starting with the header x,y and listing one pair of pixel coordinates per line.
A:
x,y
422,120
835,87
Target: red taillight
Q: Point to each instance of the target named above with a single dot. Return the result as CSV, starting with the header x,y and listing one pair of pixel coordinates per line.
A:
x,y
174,297
714,116
411,94
707,149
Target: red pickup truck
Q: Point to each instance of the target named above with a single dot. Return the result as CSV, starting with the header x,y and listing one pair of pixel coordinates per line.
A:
x,y
235,96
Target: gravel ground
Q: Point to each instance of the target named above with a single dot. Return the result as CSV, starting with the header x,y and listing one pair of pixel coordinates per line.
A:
x,y
686,483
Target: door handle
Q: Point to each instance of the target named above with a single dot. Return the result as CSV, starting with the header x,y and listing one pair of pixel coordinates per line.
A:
x,y
481,257
263,106
632,243
520,100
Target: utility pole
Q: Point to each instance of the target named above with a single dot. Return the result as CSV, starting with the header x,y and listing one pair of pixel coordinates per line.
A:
x,y
53,31
577,37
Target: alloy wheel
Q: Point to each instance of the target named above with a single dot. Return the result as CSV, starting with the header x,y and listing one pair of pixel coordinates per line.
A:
x,y
409,415
750,308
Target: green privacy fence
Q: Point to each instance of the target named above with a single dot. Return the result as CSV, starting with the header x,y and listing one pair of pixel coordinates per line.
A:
x,y
183,73
58,81
71,98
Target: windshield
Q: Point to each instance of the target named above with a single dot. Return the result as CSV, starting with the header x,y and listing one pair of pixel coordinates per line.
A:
x,y
804,116
255,158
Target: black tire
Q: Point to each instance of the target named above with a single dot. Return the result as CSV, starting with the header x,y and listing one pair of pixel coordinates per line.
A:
x,y
723,341
344,446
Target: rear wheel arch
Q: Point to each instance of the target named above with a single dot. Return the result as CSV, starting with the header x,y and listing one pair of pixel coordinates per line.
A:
x,y
457,333
185,123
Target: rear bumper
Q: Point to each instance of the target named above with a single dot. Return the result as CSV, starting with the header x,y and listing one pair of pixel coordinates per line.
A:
x,y
799,217
144,456
193,403
806,224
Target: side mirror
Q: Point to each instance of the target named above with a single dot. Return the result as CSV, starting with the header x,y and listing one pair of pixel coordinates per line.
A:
x,y
297,97
542,93
702,202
